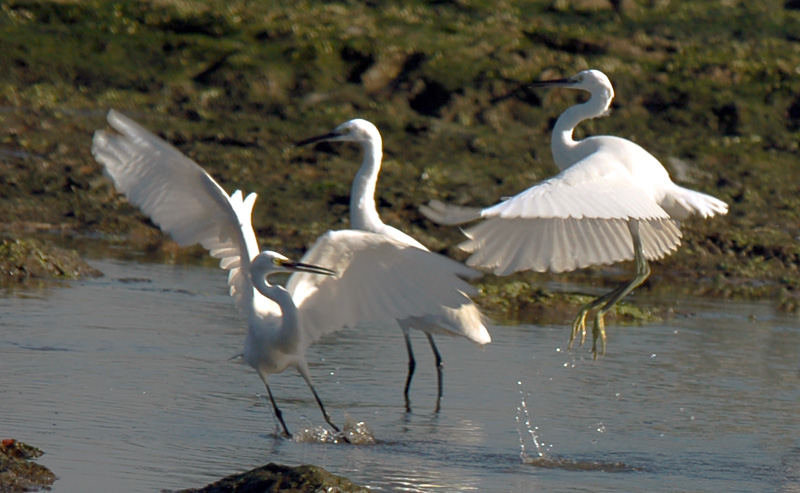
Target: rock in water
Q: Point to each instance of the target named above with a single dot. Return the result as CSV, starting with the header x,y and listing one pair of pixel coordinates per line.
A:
x,y
279,478
17,472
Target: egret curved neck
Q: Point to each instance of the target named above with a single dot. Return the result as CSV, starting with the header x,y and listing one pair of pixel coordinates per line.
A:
x,y
566,151
363,212
287,335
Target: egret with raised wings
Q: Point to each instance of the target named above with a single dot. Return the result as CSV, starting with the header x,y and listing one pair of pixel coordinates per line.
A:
x,y
612,201
366,278
466,320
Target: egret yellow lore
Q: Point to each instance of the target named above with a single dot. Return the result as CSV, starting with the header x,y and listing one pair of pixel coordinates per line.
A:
x,y
612,201
464,320
345,279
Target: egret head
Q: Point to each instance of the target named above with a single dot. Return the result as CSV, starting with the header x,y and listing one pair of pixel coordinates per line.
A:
x,y
268,262
593,81
357,130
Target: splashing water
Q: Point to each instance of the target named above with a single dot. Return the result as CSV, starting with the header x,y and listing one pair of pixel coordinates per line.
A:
x,y
529,432
356,431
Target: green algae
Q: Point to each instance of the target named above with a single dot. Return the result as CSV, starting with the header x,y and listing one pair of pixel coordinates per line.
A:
x,y
710,88
519,301
25,260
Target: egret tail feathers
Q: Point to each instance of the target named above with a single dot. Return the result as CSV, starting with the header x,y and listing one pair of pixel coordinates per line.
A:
x,y
682,202
465,321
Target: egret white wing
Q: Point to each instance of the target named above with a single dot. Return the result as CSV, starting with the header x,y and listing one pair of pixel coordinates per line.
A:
x,y
379,280
560,245
596,187
575,219
181,198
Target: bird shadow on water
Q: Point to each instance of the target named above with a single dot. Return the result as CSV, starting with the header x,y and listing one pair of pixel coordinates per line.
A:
x,y
534,452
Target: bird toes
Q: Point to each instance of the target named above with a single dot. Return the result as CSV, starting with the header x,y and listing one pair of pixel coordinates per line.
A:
x,y
578,326
599,332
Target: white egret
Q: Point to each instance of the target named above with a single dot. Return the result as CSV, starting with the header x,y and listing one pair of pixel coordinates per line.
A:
x,y
465,321
377,280
612,201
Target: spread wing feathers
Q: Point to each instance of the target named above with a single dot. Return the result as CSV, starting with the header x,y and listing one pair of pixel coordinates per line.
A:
x,y
449,215
560,245
379,280
181,198
592,188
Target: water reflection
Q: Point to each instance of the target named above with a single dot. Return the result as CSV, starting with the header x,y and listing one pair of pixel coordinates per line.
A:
x,y
126,378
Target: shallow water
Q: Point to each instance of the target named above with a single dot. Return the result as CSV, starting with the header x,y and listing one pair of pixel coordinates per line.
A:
x,y
126,380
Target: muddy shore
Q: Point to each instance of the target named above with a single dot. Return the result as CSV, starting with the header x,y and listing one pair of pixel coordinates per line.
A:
x,y
234,85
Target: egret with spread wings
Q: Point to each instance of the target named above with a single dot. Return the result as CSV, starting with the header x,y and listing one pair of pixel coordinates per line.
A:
x,y
346,278
466,320
612,201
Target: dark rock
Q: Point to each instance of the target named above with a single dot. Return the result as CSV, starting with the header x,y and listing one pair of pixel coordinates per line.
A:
x,y
275,477
18,473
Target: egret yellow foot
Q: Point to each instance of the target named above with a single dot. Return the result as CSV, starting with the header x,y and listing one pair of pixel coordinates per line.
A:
x,y
599,332
579,325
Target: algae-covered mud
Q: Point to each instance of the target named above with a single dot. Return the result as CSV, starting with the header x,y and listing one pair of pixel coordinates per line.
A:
x,y
32,261
18,472
710,88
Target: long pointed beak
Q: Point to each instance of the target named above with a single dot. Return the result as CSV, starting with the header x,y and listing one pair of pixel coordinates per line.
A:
x,y
318,138
533,85
302,267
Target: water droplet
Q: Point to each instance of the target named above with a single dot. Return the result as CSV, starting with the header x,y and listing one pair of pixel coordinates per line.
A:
x,y
653,355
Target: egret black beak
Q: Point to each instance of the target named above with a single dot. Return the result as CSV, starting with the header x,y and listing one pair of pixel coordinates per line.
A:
x,y
533,85
313,269
318,138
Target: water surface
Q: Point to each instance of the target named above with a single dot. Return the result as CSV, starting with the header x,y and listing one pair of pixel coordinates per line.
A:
x,y
126,380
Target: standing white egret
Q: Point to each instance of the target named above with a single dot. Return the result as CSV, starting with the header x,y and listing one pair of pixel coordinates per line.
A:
x,y
465,321
376,280
612,201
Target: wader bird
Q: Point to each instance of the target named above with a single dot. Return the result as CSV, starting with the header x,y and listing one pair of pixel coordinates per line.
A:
x,y
612,201
366,278
464,321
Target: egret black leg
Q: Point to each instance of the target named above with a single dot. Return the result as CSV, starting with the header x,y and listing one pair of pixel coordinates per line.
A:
x,y
439,370
412,365
278,413
322,408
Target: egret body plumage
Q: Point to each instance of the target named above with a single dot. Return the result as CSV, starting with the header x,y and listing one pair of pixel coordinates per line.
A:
x,y
366,277
612,201
466,320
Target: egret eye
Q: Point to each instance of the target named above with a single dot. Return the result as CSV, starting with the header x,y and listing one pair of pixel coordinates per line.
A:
x,y
277,262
